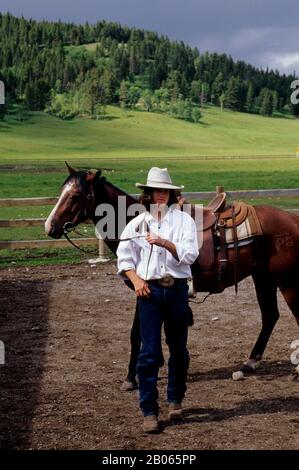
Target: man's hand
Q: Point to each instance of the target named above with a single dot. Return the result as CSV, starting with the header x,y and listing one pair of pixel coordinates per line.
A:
x,y
141,288
154,239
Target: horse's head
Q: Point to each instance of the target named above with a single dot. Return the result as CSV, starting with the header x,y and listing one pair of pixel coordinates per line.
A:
x,y
75,204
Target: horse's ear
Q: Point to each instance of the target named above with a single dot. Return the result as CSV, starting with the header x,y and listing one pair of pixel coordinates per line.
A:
x,y
93,175
71,170
98,175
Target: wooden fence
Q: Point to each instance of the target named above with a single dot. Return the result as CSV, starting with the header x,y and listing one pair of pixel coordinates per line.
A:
x,y
39,222
103,249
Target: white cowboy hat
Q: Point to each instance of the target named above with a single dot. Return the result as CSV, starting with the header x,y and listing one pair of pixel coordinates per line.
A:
x,y
158,178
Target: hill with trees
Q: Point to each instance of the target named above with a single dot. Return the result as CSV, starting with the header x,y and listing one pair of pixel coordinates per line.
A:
x,y
67,70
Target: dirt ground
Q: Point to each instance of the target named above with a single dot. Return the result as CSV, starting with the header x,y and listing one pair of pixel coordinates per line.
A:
x,y
66,334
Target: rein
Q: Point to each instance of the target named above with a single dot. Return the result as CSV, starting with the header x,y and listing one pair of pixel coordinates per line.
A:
x,y
200,301
69,227
67,230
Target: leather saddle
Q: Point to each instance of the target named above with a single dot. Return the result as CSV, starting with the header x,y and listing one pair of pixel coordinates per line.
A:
x,y
218,216
225,216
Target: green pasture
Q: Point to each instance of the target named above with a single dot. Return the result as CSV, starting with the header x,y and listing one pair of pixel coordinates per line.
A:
x,y
122,134
38,180
237,151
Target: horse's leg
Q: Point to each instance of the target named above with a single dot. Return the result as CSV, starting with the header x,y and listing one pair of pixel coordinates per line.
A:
x,y
130,382
190,316
266,291
135,338
291,295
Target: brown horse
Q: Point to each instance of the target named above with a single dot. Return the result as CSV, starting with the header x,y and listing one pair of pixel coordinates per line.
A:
x,y
271,259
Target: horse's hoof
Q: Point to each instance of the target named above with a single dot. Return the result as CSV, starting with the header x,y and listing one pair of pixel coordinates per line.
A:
x,y
250,366
245,369
128,386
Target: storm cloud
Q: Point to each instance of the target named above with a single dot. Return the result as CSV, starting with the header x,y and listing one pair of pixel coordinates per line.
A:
x,y
262,32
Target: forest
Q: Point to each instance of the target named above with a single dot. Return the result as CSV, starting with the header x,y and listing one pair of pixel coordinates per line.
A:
x,y
69,70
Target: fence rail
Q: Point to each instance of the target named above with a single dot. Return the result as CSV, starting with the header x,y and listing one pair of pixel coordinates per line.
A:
x,y
39,222
28,201
254,193
103,249
25,244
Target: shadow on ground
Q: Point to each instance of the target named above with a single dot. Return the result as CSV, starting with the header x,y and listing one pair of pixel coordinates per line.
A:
x,y
24,331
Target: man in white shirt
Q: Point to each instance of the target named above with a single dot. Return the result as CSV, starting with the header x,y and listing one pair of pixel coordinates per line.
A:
x,y
158,265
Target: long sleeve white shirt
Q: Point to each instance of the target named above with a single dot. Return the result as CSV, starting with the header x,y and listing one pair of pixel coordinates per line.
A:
x,y
176,226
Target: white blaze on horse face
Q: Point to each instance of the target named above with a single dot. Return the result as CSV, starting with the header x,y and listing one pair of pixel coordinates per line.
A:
x,y
48,223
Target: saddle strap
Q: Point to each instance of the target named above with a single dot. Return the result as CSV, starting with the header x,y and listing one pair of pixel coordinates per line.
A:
x,y
222,260
235,235
223,254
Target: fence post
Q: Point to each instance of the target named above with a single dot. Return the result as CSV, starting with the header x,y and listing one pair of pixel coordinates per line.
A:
x,y
219,189
103,253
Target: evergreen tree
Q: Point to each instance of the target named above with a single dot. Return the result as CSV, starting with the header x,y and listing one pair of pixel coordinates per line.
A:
x,y
38,56
232,94
123,94
196,88
36,95
266,103
222,101
218,87
172,85
204,95
275,101
250,98
31,96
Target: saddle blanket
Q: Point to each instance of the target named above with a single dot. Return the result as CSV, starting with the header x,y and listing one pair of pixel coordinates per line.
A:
x,y
251,227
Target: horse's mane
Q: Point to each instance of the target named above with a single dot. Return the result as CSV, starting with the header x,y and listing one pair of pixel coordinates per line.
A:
x,y
123,193
80,178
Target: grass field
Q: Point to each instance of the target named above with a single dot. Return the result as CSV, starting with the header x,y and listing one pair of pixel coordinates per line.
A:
x,y
138,134
237,151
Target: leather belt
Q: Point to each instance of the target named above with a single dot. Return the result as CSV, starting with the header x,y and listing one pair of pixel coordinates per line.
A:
x,y
166,281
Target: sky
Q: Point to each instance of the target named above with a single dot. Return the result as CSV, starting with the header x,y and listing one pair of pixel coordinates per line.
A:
x,y
264,33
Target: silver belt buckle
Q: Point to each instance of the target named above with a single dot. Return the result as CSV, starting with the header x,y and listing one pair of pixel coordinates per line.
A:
x,y
166,281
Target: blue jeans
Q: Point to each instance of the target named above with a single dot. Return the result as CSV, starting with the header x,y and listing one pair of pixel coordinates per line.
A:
x,y
168,305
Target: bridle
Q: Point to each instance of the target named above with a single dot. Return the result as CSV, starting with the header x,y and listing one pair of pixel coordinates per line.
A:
x,y
86,211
